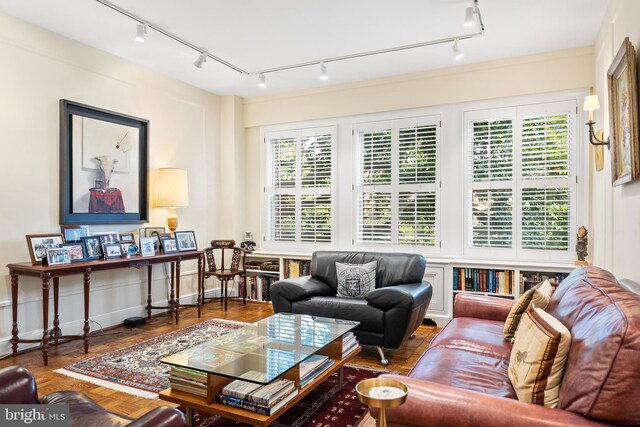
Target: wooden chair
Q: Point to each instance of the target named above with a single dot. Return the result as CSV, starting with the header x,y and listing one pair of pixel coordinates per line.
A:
x,y
225,262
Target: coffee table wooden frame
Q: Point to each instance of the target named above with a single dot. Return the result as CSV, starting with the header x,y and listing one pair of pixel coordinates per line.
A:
x,y
217,382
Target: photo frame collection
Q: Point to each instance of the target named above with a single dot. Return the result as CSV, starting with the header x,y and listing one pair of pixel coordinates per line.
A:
x,y
75,244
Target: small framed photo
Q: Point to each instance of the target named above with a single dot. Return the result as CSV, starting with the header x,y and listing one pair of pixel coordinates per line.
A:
x,y
148,246
129,249
112,250
76,251
128,237
107,237
39,243
186,240
149,231
74,233
92,247
57,256
169,245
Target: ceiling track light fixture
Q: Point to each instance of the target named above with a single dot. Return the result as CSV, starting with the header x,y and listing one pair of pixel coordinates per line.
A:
x,y
201,60
323,71
141,33
262,81
474,11
457,53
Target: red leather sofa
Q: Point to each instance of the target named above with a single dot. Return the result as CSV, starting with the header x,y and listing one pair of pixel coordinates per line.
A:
x,y
462,379
17,386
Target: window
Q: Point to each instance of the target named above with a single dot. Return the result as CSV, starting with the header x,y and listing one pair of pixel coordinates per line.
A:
x,y
521,180
396,177
299,181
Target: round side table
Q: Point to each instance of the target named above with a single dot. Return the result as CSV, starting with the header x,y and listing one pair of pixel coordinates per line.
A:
x,y
382,393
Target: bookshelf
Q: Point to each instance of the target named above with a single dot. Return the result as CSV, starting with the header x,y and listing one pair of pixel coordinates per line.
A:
x,y
266,268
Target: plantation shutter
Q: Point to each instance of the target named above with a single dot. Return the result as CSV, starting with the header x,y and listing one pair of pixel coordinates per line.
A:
x,y
545,171
299,181
396,174
491,175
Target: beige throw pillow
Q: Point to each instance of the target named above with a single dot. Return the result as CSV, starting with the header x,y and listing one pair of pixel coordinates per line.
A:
x,y
538,296
538,358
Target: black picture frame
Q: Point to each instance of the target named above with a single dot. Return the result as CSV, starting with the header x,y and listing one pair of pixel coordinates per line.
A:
x,y
169,245
77,251
118,213
186,241
92,247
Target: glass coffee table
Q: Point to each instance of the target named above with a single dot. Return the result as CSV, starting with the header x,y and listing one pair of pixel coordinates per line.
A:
x,y
260,353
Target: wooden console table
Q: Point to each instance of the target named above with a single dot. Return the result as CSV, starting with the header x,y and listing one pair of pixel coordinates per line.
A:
x,y
52,273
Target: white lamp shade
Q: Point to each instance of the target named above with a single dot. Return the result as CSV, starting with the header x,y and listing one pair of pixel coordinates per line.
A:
x,y
172,188
591,103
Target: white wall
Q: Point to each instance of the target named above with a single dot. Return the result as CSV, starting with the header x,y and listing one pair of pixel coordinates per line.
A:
x,y
615,225
569,71
38,69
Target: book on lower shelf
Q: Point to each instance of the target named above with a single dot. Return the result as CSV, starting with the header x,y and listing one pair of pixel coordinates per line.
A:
x,y
312,367
188,380
490,281
528,279
264,399
349,343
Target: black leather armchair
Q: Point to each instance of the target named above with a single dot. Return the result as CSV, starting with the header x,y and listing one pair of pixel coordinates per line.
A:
x,y
388,315
17,386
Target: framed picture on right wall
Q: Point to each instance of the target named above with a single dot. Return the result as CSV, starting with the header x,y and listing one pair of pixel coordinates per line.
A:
x,y
623,117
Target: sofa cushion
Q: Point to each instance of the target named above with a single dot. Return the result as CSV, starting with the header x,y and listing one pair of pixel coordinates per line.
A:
x,y
538,357
538,296
393,268
466,370
601,379
356,280
370,318
474,335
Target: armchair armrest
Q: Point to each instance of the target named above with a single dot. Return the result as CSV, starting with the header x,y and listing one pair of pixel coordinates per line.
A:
x,y
18,386
433,404
301,288
482,307
399,295
164,416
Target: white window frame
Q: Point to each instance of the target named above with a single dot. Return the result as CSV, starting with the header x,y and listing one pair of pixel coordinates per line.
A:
x,y
395,188
517,112
298,191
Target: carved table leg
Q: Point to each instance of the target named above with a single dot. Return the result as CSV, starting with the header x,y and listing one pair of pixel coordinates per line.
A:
x,y
200,286
56,332
177,305
149,275
14,313
45,317
172,289
87,284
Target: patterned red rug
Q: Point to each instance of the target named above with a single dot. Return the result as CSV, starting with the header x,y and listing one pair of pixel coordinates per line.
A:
x,y
137,370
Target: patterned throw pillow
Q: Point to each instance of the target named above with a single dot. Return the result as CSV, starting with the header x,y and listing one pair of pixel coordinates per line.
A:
x,y
538,358
539,296
356,280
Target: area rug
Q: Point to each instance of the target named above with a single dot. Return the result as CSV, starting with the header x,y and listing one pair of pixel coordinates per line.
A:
x,y
137,370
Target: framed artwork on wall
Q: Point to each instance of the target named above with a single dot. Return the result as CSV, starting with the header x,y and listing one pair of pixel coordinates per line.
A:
x,y
623,117
103,166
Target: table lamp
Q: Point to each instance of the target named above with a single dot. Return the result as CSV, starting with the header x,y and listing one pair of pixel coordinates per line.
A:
x,y
173,192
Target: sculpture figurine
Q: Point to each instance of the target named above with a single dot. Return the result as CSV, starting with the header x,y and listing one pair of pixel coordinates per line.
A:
x,y
248,243
582,244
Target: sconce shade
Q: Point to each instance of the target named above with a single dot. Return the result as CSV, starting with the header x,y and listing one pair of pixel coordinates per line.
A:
x,y
591,103
172,188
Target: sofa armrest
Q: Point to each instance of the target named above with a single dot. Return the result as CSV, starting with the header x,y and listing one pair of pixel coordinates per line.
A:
x,y
301,288
398,295
482,307
164,416
433,404
18,386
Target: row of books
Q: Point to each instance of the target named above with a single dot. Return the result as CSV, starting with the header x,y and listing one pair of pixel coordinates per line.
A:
x,y
529,279
297,268
188,380
263,399
349,343
483,280
258,286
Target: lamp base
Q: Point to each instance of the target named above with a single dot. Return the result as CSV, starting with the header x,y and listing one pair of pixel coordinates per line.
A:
x,y
172,221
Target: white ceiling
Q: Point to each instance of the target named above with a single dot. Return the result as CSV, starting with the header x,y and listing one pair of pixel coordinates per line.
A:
x,y
258,34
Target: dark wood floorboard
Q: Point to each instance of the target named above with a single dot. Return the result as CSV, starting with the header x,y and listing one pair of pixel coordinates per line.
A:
x,y
48,381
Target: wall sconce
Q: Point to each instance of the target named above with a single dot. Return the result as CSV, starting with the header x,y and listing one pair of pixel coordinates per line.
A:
x,y
173,192
591,104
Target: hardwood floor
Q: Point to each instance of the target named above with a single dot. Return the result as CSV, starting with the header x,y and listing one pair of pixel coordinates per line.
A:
x,y
48,381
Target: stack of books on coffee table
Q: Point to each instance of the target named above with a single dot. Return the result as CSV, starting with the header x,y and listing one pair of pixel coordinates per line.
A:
x,y
188,380
349,343
263,399
312,367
